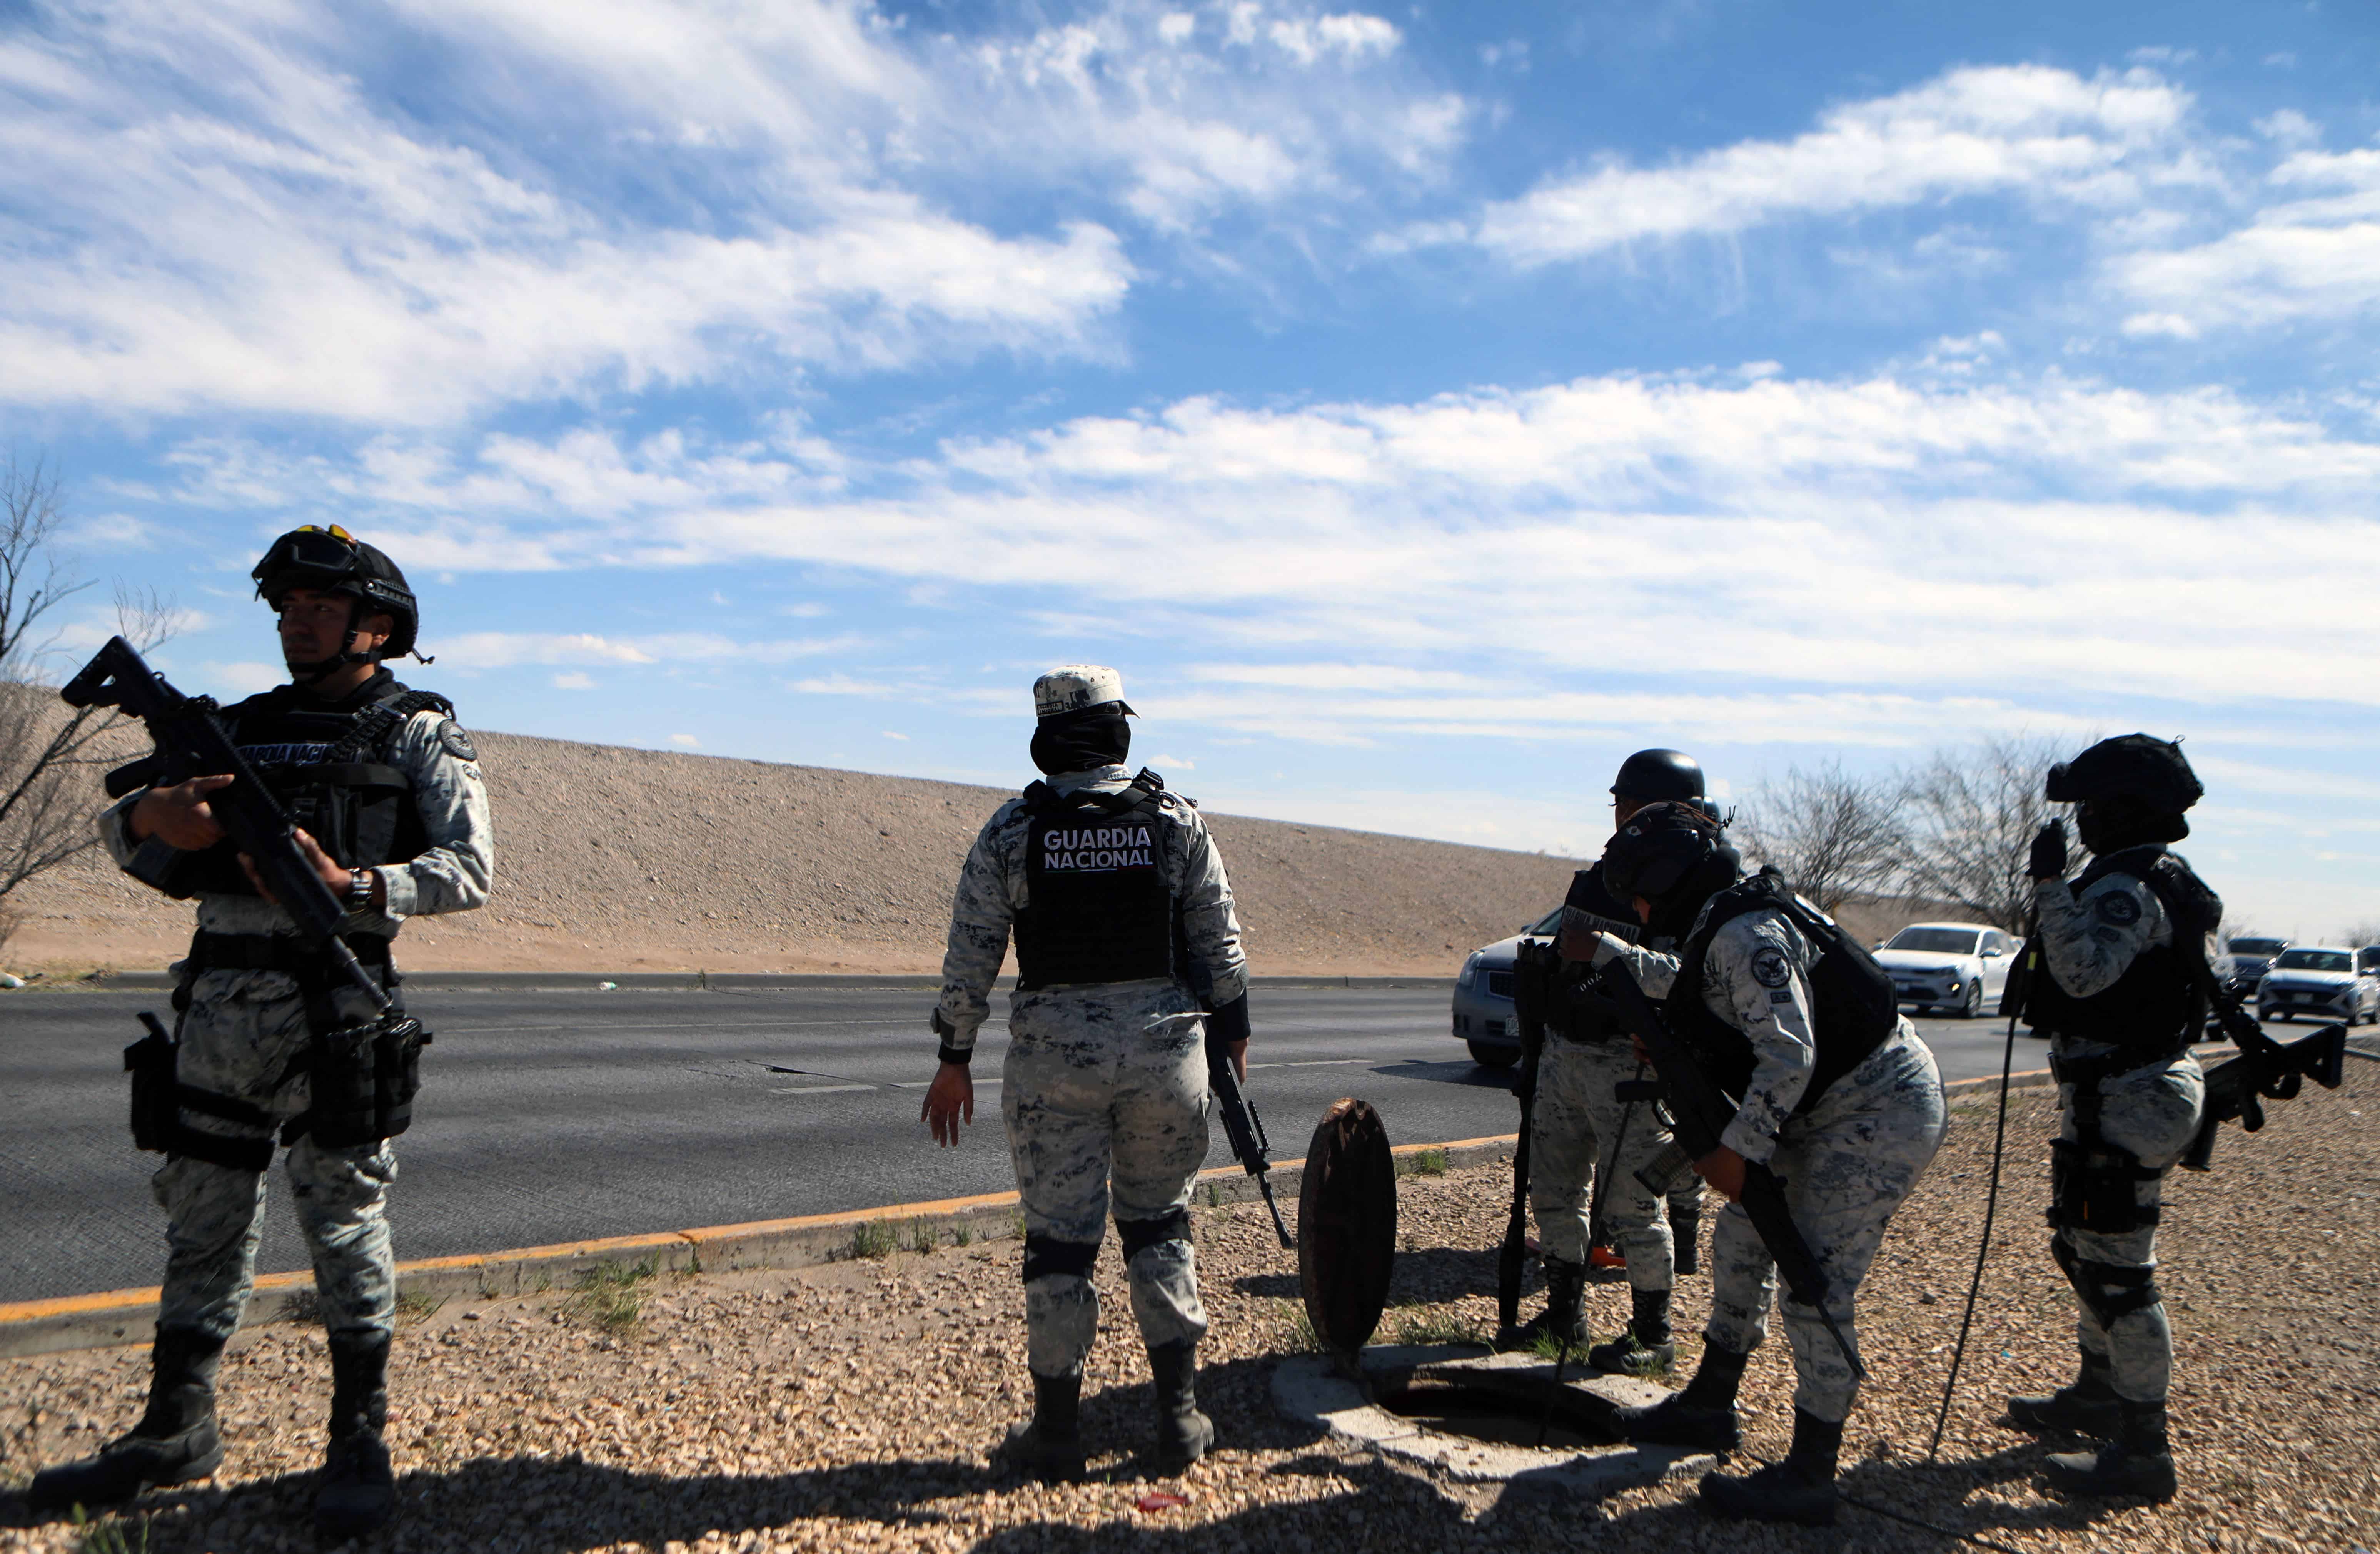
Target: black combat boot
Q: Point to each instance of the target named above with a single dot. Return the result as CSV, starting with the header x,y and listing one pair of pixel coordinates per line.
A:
x,y
2139,1460
1050,1448
1562,1320
2089,1407
1703,1415
1183,1433
1646,1348
1686,1232
1799,1489
357,1492
175,1441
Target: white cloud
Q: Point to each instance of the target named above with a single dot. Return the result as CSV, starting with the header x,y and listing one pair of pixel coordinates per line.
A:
x,y
684,741
573,682
2029,130
503,650
1862,560
891,734
236,209
2310,251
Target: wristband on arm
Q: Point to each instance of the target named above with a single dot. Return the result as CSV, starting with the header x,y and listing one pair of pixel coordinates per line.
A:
x,y
1230,1023
948,1053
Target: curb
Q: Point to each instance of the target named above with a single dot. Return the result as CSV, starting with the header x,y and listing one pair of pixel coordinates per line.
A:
x,y
120,1317
719,982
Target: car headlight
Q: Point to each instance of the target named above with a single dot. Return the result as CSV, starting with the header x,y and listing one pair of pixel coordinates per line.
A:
x,y
1470,970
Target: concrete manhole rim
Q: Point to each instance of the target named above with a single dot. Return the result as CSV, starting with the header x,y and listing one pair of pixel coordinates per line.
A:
x,y
1312,1389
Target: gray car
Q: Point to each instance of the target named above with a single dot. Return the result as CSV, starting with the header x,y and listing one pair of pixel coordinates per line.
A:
x,y
2321,983
1483,996
2246,959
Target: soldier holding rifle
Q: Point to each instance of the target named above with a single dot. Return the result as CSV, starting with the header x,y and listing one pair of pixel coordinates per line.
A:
x,y
1130,983
2124,993
1839,1110
276,1035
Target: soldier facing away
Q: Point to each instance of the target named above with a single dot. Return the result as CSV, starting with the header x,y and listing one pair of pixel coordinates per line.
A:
x,y
1839,1098
1577,1124
393,812
2124,952
1127,954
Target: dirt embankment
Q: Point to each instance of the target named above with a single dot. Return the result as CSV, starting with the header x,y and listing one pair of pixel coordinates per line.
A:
x,y
620,859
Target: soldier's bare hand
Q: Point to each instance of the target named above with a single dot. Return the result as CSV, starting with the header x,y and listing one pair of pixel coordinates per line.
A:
x,y
178,816
1723,1168
950,1101
329,867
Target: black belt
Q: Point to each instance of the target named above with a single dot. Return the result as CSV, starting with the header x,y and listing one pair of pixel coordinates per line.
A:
x,y
277,952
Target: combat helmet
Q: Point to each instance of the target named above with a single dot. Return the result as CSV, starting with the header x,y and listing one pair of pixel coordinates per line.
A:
x,y
2127,790
1649,776
334,561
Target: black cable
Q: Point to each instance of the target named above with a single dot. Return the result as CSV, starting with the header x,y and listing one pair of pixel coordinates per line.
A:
x,y
1992,1198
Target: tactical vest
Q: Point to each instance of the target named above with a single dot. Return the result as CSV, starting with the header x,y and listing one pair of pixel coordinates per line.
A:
x,y
329,767
2158,1005
1099,906
1856,1007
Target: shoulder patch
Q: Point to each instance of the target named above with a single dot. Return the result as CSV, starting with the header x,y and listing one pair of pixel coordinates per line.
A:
x,y
2119,908
1770,966
457,743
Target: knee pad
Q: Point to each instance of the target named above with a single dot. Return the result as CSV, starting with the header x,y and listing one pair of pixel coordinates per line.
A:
x,y
2109,1290
1046,1255
2095,1187
1139,1235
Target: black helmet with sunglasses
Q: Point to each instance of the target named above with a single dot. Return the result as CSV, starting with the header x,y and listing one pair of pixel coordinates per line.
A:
x,y
333,561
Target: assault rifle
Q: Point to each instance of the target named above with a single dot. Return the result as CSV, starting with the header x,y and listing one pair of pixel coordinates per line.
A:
x,y
2264,1070
190,743
1244,1129
1698,1112
1532,969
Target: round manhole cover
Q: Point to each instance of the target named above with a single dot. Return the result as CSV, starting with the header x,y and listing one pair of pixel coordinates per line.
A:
x,y
1347,1225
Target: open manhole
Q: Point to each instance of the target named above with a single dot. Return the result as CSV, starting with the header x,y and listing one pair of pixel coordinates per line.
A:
x,y
1499,1416
1474,1416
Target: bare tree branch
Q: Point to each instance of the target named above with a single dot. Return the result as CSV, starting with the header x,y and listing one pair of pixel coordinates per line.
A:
x,y
1971,816
1832,834
47,750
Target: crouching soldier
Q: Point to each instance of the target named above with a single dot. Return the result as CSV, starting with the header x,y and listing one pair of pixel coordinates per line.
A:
x,y
1840,1099
1127,950
392,810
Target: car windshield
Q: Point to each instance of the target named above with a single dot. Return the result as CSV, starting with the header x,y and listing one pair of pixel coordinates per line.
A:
x,y
1547,924
2313,960
2255,946
1935,941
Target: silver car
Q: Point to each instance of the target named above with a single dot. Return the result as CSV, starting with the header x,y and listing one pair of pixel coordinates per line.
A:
x,y
2321,983
1483,996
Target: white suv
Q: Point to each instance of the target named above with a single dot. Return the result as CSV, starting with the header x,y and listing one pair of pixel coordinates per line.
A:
x,y
1950,966
2326,983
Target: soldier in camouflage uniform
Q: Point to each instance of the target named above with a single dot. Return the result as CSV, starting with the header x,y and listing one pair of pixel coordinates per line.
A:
x,y
1128,966
1577,1124
1840,1099
2122,995
394,813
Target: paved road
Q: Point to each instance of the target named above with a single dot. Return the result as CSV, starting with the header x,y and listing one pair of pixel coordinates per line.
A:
x,y
556,1116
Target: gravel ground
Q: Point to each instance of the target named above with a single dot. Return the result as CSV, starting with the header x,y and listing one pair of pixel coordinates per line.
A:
x,y
851,1407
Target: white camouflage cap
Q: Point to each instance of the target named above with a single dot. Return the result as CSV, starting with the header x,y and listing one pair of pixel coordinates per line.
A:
x,y
1071,687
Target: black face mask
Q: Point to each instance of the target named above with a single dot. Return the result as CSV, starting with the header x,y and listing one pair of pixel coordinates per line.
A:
x,y
1081,743
2110,825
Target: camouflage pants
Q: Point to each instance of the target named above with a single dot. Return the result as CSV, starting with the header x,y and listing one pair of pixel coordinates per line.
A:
x,y
245,1036
1576,1126
1105,1091
2153,1111
1847,1164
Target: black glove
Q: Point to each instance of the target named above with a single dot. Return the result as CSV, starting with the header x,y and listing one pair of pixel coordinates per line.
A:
x,y
2048,857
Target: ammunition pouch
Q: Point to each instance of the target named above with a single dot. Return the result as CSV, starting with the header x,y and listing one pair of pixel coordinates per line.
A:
x,y
2110,1291
2093,1186
362,1081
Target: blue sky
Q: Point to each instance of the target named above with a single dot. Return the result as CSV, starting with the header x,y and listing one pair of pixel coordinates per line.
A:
x,y
1422,407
